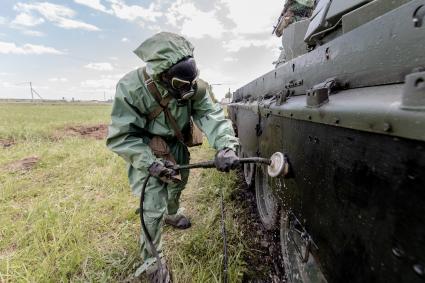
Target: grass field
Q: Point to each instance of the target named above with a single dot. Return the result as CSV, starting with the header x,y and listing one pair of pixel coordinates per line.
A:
x,y
69,215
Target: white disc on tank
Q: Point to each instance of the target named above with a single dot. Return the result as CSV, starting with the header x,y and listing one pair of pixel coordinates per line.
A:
x,y
278,165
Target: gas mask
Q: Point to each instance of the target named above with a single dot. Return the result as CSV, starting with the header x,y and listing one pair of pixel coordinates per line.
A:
x,y
180,80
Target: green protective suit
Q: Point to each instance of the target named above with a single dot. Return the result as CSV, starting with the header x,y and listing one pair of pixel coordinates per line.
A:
x,y
307,3
130,131
293,11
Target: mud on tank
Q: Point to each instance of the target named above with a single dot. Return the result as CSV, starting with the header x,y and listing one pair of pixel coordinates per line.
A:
x,y
346,105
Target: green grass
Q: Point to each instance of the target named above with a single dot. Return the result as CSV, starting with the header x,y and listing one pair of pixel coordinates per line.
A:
x,y
71,217
36,121
198,257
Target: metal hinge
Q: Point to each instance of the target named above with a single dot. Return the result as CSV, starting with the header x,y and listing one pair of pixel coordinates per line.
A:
x,y
294,83
319,94
414,92
266,101
418,16
283,96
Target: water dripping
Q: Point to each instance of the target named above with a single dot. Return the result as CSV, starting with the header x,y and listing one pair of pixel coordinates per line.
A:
x,y
398,252
419,269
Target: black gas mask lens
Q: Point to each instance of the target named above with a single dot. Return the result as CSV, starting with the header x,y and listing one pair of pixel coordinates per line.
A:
x,y
181,78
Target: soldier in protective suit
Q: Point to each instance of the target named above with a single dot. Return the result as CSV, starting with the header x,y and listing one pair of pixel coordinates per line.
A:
x,y
154,112
293,11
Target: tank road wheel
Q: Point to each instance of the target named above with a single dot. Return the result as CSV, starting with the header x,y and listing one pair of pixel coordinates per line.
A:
x,y
239,151
300,265
266,202
248,168
248,172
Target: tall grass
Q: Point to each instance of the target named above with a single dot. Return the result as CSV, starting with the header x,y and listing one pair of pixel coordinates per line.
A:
x,y
71,217
199,253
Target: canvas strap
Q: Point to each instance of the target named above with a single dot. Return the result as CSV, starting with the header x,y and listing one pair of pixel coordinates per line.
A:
x,y
162,105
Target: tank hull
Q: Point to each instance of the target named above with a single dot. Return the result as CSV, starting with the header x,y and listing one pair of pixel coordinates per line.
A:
x,y
350,117
360,196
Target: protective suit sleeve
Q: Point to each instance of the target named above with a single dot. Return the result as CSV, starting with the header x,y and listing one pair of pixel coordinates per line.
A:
x,y
126,131
209,117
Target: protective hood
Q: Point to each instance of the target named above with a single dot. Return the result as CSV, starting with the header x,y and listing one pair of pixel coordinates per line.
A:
x,y
162,51
307,3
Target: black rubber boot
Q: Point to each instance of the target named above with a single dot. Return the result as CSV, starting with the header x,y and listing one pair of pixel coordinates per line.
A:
x,y
178,221
154,275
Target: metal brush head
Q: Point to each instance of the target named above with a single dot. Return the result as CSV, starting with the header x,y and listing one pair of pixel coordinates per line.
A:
x,y
278,166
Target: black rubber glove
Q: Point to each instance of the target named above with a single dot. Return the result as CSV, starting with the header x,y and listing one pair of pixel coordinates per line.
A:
x,y
226,159
164,171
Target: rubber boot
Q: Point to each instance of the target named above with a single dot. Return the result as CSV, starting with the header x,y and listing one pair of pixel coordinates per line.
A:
x,y
177,220
156,275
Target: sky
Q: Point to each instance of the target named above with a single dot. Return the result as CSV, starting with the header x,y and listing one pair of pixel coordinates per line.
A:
x,y
81,48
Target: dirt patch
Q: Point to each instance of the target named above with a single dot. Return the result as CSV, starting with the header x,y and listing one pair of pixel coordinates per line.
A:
x,y
264,260
98,132
5,143
23,165
7,253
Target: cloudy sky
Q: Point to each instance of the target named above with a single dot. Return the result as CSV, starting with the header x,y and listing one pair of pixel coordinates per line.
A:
x,y
80,48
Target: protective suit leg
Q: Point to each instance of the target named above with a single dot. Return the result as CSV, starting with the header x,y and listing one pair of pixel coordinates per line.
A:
x,y
159,199
155,206
181,153
175,216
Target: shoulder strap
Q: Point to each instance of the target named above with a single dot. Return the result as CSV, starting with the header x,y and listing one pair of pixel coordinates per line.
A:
x,y
141,72
163,105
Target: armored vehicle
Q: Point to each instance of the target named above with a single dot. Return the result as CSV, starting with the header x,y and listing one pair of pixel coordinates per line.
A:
x,y
345,103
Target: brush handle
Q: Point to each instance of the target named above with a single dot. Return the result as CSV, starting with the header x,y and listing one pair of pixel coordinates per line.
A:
x,y
210,163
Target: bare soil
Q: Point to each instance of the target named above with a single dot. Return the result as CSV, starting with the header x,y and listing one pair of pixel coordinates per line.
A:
x,y
8,252
22,165
4,143
264,260
98,132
